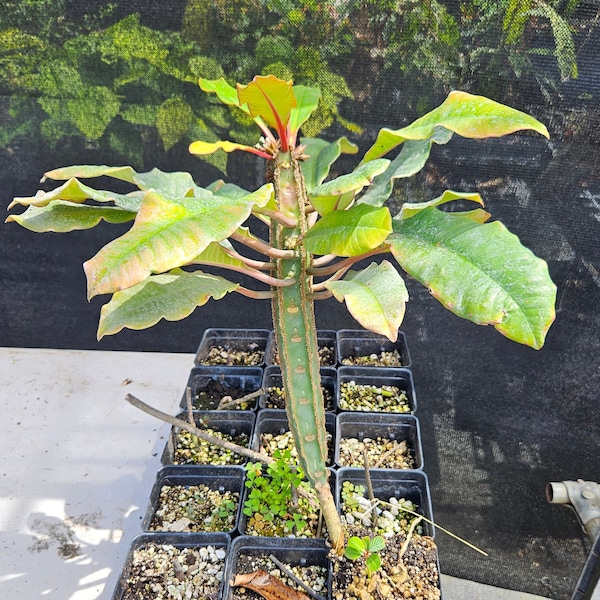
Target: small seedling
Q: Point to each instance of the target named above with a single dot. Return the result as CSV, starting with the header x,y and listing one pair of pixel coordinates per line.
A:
x,y
367,547
274,495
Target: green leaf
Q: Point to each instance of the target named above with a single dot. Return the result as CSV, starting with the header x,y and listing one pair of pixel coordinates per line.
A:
x,y
339,193
480,272
175,184
468,115
376,297
61,217
326,204
227,190
373,563
226,93
307,100
321,155
377,544
172,296
215,254
355,548
269,98
349,232
410,209
352,182
411,160
167,233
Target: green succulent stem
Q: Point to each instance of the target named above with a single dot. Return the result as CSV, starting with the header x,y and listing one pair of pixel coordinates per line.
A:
x,y
296,336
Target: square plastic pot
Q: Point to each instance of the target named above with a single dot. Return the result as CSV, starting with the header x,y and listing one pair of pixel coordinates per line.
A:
x,y
353,343
233,423
219,541
388,483
243,520
222,381
272,378
222,479
276,422
326,338
233,339
384,425
400,378
294,552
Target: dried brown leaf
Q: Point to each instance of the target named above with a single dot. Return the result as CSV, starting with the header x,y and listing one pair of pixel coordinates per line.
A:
x,y
268,586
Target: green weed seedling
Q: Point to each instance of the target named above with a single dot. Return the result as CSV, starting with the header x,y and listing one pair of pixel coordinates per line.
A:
x,y
366,547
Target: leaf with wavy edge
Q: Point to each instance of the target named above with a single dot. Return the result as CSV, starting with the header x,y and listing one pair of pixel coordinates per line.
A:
x,y
376,297
410,209
465,114
174,184
339,193
480,272
62,217
349,232
321,155
167,233
172,296
352,182
410,160
71,191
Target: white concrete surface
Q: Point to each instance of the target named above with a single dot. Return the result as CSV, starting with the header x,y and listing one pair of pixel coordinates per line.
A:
x,y
78,463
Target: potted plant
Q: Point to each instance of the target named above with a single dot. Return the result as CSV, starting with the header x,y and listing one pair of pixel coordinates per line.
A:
x,y
319,230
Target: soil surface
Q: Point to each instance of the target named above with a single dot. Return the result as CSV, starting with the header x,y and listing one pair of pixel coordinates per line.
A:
x,y
372,398
158,572
228,357
409,570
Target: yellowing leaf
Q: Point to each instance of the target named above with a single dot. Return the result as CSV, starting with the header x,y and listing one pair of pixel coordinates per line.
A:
x,y
410,209
167,233
62,217
465,114
270,98
376,297
200,148
172,296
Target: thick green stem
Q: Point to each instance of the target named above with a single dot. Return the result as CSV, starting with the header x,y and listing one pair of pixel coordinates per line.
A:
x,y
296,336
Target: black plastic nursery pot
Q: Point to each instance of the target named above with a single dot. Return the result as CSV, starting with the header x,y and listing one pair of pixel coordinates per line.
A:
x,y
243,527
272,379
156,581
326,340
377,377
208,385
303,553
216,346
371,426
275,422
237,425
355,345
392,483
217,479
